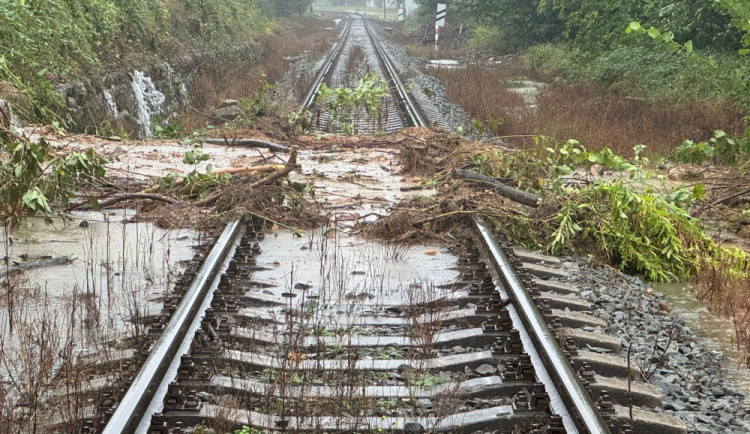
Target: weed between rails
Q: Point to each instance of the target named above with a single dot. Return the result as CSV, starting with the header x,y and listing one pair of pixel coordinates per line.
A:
x,y
587,112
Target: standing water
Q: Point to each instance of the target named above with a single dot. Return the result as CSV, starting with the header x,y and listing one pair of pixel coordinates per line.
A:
x,y
717,332
148,102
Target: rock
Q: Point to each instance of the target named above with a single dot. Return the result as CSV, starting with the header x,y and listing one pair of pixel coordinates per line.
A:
x,y
229,113
83,224
413,428
229,103
398,310
408,370
486,369
7,117
424,403
676,406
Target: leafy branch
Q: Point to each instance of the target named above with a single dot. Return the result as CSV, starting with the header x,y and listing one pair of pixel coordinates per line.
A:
x,y
342,102
32,177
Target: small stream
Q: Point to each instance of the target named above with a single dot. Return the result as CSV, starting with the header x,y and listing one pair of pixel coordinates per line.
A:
x,y
715,332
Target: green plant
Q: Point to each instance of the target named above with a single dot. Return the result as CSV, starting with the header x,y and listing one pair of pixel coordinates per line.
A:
x,y
342,102
643,232
171,130
33,177
721,149
387,353
248,430
195,182
258,104
429,380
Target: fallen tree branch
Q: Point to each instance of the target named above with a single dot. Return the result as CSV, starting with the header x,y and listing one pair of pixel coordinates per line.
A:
x,y
250,143
288,167
264,168
522,197
726,199
127,196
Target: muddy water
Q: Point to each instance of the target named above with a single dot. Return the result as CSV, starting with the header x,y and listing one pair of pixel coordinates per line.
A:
x,y
716,333
363,269
96,264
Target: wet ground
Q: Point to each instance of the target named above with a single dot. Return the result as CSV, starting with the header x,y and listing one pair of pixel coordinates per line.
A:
x,y
716,333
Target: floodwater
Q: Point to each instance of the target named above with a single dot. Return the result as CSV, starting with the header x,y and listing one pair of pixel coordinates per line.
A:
x,y
95,263
327,263
715,332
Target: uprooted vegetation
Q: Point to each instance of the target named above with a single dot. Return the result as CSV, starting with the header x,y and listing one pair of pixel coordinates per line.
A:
x,y
593,202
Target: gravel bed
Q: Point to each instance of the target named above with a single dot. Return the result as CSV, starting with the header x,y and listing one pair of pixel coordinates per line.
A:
x,y
689,375
424,87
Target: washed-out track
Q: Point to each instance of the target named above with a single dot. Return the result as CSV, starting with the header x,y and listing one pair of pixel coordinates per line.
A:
x,y
497,350
505,347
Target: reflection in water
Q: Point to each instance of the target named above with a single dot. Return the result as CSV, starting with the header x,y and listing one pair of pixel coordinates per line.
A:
x,y
716,333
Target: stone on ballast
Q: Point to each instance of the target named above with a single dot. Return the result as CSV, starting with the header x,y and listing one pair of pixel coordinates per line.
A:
x,y
486,369
676,405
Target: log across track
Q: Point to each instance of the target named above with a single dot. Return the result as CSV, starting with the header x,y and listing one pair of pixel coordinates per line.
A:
x,y
490,341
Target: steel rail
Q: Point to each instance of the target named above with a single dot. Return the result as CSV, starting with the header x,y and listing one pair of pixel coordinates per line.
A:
x,y
565,379
133,407
327,67
409,108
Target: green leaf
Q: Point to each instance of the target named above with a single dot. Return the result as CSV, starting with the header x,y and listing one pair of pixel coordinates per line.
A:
x,y
94,203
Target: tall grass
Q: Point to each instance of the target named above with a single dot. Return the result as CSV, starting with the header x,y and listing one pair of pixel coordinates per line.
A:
x,y
586,111
238,79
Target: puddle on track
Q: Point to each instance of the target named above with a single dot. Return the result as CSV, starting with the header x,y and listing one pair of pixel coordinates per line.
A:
x,y
356,183
716,333
364,268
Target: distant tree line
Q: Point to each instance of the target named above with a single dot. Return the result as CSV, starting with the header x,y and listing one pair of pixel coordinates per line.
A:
x,y
596,24
284,8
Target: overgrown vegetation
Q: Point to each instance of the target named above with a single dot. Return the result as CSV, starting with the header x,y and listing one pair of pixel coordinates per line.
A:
x,y
587,111
46,42
584,40
238,80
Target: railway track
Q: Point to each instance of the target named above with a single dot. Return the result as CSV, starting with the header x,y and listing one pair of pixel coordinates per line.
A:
x,y
484,352
357,52
493,343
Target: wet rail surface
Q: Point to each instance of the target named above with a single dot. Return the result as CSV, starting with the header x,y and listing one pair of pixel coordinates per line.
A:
x,y
357,53
498,348
504,346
